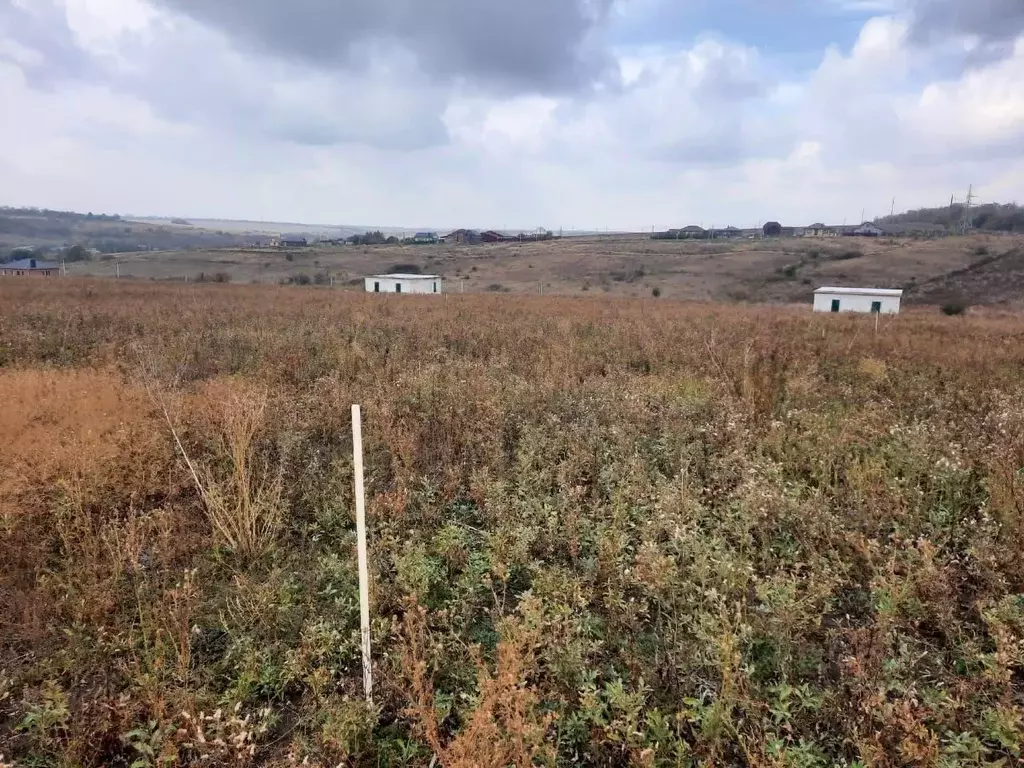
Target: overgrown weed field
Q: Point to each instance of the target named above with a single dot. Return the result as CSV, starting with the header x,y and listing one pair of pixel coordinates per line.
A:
x,y
601,532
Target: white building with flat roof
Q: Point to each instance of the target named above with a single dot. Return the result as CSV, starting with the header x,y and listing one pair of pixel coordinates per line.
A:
x,y
399,283
882,301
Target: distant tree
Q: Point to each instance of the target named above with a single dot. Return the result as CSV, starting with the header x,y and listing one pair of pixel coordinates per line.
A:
x,y
24,253
76,253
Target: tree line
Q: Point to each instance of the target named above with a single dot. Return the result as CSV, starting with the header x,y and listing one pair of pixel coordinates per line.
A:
x,y
991,217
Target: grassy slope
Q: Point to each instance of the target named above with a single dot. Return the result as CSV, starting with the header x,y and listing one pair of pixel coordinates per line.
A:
x,y
616,266
603,532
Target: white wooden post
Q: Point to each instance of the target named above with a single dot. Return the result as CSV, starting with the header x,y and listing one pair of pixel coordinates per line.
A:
x,y
364,575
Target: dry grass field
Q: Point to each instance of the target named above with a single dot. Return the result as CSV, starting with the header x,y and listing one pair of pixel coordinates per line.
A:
x,y
777,271
603,532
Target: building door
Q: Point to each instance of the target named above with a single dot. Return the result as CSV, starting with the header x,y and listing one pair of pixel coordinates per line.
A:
x,y
876,307
835,305
435,287
376,287
398,287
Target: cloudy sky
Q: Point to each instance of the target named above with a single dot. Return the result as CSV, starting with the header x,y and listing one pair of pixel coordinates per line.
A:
x,y
510,113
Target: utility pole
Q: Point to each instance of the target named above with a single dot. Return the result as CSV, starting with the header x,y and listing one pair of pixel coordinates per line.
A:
x,y
892,211
966,223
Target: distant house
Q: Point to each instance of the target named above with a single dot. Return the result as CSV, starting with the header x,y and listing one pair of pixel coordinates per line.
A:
x,y
493,236
727,233
868,300
772,229
867,229
465,236
692,232
913,229
425,238
293,241
403,283
24,267
819,230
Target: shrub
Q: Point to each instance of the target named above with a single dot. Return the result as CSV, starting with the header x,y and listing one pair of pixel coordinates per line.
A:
x,y
656,292
76,253
289,257
954,308
645,533
981,250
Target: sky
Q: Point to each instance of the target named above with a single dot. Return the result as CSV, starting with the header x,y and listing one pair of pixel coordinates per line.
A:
x,y
585,114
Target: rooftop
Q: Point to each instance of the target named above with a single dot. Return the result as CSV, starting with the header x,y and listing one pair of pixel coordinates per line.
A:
x,y
29,264
861,291
400,276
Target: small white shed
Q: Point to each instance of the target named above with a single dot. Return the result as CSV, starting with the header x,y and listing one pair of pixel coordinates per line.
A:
x,y
869,300
399,283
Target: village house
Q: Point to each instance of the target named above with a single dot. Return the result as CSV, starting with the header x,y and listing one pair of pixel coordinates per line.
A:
x,y
24,267
867,300
464,236
403,283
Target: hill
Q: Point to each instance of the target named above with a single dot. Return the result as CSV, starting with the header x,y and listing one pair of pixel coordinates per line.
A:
x,y
992,217
784,270
47,232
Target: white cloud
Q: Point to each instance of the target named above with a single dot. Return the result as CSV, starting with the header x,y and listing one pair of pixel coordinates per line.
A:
x,y
148,111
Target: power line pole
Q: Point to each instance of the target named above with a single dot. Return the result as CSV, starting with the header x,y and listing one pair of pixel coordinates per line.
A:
x,y
966,224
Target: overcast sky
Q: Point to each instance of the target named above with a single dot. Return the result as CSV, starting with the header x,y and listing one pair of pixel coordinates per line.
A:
x,y
624,114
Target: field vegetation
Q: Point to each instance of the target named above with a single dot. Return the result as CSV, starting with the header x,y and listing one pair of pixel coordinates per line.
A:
x,y
603,532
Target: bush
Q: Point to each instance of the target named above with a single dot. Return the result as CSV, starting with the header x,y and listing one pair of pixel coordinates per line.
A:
x,y
848,255
653,534
981,250
76,253
289,257
954,308
221,277
656,292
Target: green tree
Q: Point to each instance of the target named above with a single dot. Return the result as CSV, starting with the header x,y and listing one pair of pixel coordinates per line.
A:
x,y
76,253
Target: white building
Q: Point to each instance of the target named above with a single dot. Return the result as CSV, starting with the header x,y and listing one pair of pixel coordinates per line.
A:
x,y
397,283
873,300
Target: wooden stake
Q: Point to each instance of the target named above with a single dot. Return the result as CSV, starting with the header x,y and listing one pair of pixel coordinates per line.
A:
x,y
364,574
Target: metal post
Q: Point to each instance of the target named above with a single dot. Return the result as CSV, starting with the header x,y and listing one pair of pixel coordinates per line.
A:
x,y
364,574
